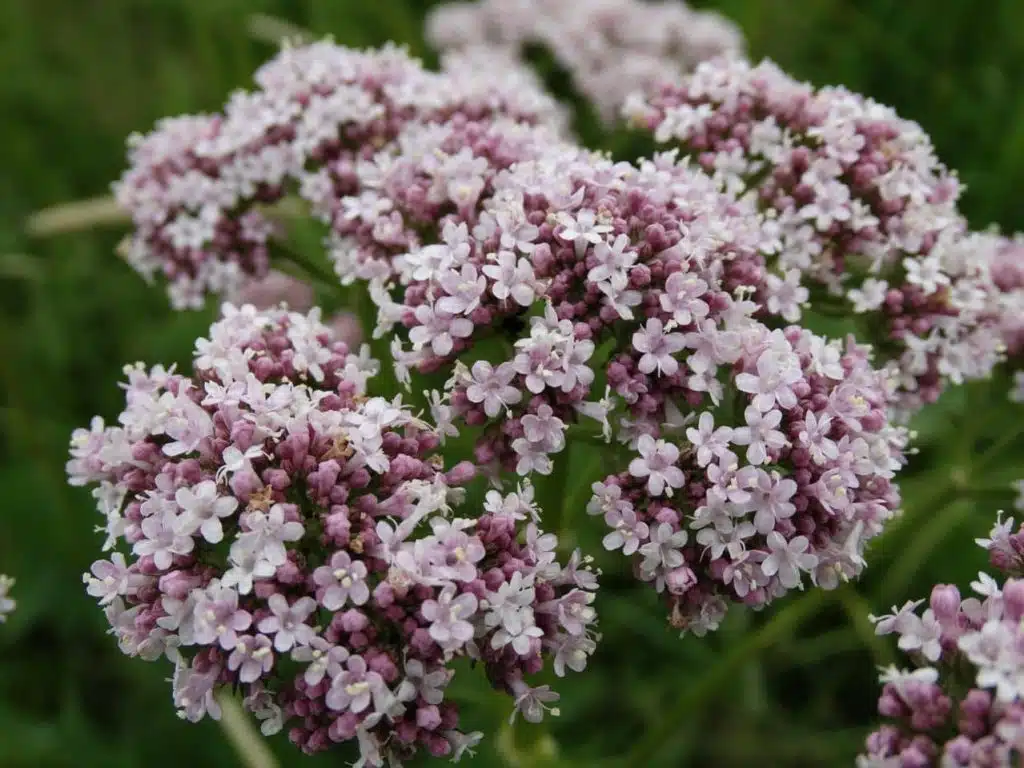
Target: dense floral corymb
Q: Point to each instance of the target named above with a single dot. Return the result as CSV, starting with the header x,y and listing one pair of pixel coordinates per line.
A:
x,y
963,704
637,281
608,47
785,483
274,530
198,186
863,210
428,176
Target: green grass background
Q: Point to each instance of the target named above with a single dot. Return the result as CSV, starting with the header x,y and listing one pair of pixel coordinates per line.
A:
x,y
794,686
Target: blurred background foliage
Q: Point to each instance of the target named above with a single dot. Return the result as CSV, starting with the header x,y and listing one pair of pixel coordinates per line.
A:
x,y
792,687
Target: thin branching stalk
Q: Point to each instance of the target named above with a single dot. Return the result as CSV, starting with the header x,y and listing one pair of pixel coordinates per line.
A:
x,y
76,216
94,212
238,727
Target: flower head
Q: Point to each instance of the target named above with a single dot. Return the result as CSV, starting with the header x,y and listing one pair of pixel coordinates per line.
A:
x,y
314,525
966,698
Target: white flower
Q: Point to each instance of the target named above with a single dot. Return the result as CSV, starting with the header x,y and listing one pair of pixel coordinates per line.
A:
x,y
619,296
204,508
657,463
441,413
926,273
492,387
234,460
510,610
663,551
708,441
432,261
657,348
585,229
897,620
869,296
760,434
438,329
164,538
922,633
513,278
831,204
788,559
611,259
786,296
464,289
267,534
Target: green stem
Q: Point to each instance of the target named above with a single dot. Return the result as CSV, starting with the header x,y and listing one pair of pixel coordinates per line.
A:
x,y
857,611
911,557
752,681
248,743
311,269
717,679
576,500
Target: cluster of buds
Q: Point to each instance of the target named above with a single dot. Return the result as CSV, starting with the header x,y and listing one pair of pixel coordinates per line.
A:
x,y
863,210
198,186
608,47
275,531
963,703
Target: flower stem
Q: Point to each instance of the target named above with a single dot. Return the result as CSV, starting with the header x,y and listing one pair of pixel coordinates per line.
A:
x,y
77,216
311,269
237,726
717,678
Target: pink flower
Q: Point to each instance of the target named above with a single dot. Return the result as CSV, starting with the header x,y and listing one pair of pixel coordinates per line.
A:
x,y
657,463
657,348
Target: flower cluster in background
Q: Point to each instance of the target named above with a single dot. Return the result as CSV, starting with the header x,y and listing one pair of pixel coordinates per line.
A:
x,y
273,529
278,288
863,209
963,703
608,47
198,185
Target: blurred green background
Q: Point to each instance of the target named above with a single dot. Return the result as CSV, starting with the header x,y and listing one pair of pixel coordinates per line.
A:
x,y
792,687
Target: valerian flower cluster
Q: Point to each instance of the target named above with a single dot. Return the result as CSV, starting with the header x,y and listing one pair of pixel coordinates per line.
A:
x,y
198,185
273,529
963,702
652,266
863,210
609,47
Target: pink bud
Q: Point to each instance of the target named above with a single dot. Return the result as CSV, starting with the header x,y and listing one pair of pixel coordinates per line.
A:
x,y
679,580
945,602
345,327
428,717
461,473
1013,599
